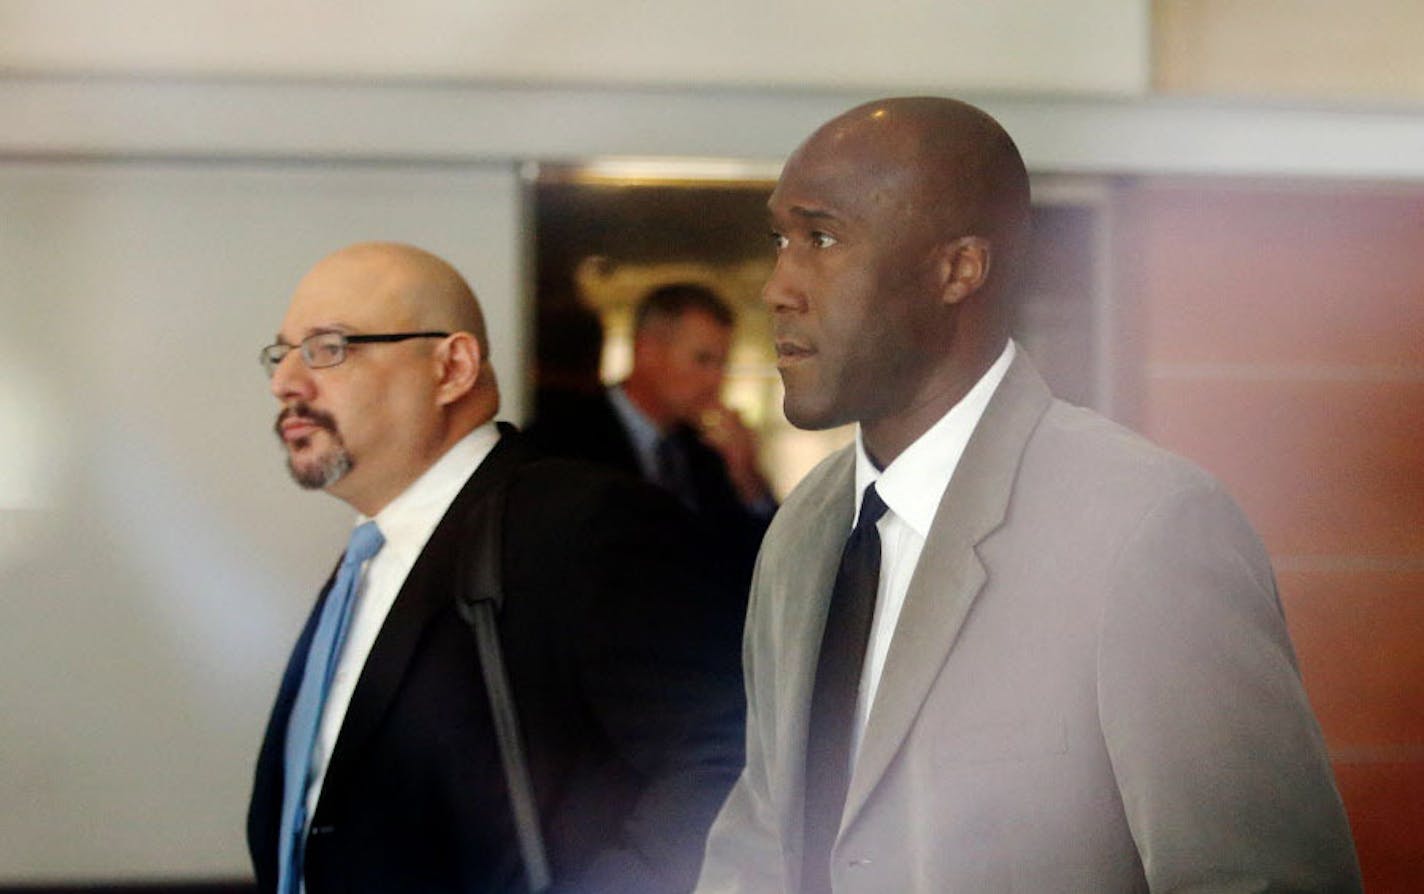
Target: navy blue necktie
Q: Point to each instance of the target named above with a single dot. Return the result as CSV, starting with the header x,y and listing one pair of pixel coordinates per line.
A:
x,y
842,655
305,718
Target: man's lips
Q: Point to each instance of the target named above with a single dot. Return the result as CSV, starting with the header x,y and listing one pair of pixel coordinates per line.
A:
x,y
789,351
295,425
296,429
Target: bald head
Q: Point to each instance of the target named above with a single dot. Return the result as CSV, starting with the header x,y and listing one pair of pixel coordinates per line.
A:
x,y
899,224
420,290
412,376
948,166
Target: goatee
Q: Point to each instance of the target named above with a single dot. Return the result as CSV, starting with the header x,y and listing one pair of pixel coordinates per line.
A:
x,y
326,469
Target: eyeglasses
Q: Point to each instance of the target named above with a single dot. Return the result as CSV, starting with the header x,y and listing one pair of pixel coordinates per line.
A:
x,y
329,348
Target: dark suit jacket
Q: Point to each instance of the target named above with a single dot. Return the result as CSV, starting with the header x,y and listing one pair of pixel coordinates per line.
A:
x,y
623,661
1089,688
586,426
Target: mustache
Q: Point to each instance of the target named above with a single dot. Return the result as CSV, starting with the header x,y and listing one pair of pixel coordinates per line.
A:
x,y
302,410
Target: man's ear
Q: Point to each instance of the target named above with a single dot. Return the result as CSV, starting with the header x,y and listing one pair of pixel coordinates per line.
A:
x,y
964,267
459,363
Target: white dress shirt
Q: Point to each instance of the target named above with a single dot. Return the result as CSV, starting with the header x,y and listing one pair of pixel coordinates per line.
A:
x,y
912,487
407,523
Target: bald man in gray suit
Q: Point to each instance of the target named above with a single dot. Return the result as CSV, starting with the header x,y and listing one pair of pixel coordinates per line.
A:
x,y
1067,668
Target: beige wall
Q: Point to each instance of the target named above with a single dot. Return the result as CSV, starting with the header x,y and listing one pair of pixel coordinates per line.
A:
x,y
1097,46
1361,51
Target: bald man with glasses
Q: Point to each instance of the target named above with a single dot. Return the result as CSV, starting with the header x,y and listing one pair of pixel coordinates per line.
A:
x,y
382,769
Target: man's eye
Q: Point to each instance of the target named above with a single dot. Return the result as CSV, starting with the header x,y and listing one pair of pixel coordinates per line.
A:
x,y
324,351
778,240
822,240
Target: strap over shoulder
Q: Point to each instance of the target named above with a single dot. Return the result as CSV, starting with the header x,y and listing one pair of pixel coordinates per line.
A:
x,y
478,598
480,567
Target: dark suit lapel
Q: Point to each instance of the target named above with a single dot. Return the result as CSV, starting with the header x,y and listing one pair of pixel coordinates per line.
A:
x,y
619,443
428,590
949,575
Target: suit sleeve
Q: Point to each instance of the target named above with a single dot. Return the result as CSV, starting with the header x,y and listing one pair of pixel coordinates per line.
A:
x,y
659,672
743,854
1218,758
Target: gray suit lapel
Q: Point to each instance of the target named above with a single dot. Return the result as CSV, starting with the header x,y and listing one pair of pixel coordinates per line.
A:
x,y
801,591
949,575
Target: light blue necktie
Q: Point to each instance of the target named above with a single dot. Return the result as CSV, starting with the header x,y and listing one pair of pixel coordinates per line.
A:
x,y
305,718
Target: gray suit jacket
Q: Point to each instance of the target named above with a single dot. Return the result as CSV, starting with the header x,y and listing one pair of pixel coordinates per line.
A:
x,y
1090,687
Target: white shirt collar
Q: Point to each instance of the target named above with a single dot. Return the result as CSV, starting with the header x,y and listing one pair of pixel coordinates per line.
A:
x,y
408,520
914,482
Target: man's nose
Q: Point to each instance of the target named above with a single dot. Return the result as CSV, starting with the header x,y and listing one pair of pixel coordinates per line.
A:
x,y
291,380
783,290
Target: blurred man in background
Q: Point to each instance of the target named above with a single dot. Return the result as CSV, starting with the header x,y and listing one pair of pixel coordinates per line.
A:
x,y
667,424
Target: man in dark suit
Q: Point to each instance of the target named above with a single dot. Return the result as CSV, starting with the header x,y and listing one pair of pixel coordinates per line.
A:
x,y
998,643
381,769
666,422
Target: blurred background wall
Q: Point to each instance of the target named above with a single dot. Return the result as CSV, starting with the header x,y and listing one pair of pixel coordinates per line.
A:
x,y
1231,212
